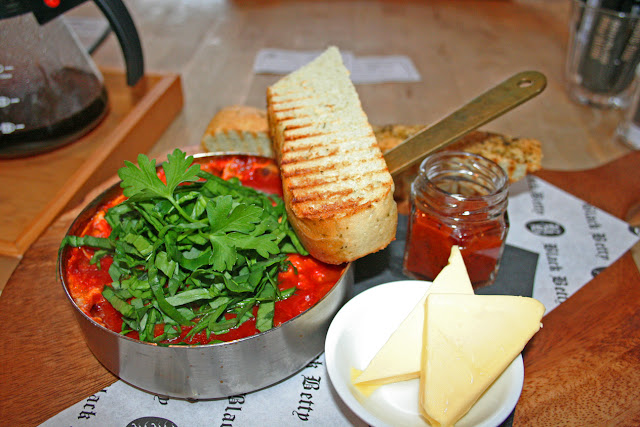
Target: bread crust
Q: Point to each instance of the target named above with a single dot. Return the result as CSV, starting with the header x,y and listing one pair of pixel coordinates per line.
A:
x,y
517,156
336,241
238,117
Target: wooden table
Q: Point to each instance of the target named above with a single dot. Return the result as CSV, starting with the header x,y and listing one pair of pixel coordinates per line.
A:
x,y
461,49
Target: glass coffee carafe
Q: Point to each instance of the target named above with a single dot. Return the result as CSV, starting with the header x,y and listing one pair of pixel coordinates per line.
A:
x,y
51,92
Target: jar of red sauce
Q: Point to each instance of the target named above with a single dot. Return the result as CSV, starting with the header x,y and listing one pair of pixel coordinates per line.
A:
x,y
457,199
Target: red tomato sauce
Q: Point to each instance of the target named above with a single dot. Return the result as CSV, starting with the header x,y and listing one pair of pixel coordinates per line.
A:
x,y
431,241
313,279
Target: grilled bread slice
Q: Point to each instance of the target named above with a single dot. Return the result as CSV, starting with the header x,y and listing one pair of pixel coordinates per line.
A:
x,y
336,185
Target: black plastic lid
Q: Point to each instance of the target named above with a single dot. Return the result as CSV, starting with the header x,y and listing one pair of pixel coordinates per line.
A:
x,y
43,10
11,8
116,12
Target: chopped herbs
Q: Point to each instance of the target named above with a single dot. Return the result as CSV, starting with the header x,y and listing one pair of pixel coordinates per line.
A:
x,y
198,253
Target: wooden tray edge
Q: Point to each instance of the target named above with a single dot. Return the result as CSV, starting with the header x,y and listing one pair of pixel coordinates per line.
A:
x,y
169,83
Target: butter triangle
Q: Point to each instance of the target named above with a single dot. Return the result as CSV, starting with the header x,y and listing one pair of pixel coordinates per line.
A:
x,y
469,340
399,358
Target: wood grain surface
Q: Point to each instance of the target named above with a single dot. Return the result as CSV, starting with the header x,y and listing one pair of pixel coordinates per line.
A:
x,y
583,365
460,48
36,189
46,366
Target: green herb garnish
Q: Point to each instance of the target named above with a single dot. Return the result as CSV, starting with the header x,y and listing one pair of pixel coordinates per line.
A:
x,y
192,253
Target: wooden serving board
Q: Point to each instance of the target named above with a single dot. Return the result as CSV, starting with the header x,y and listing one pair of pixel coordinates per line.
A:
x,y
34,190
582,367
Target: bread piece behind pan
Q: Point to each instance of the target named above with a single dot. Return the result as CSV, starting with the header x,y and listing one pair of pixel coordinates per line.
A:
x,y
337,188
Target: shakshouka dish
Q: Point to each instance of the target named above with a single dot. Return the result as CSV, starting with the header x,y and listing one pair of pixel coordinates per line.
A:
x,y
193,253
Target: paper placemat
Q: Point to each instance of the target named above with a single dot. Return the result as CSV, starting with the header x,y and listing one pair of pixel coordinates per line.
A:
x,y
364,69
555,245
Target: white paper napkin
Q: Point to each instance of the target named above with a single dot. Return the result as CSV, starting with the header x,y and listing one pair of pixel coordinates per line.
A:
x,y
364,69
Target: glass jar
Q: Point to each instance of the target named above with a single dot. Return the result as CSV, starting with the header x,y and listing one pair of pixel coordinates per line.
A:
x,y
457,199
628,131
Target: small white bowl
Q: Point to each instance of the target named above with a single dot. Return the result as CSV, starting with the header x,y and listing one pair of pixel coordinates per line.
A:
x,y
356,334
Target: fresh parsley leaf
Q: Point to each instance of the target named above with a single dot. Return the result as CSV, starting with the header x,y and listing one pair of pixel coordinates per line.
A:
x,y
141,183
179,169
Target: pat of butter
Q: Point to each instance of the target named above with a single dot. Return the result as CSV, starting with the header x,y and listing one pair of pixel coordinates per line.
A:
x,y
399,358
366,389
469,340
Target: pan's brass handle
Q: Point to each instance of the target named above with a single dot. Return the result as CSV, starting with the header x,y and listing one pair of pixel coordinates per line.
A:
x,y
491,104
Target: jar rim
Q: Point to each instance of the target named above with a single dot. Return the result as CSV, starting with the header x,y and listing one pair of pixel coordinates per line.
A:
x,y
472,166
599,9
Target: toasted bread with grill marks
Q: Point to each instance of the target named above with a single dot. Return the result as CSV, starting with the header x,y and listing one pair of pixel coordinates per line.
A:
x,y
336,185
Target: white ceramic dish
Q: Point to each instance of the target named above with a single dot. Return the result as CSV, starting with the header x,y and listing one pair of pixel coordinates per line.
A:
x,y
358,331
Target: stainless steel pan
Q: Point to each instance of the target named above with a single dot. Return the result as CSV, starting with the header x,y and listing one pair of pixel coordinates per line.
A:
x,y
216,370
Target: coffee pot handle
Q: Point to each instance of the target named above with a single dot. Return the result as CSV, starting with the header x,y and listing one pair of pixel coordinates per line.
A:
x,y
119,19
122,24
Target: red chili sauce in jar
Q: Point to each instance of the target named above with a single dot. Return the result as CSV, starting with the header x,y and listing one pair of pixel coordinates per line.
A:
x,y
457,199
312,278
429,247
